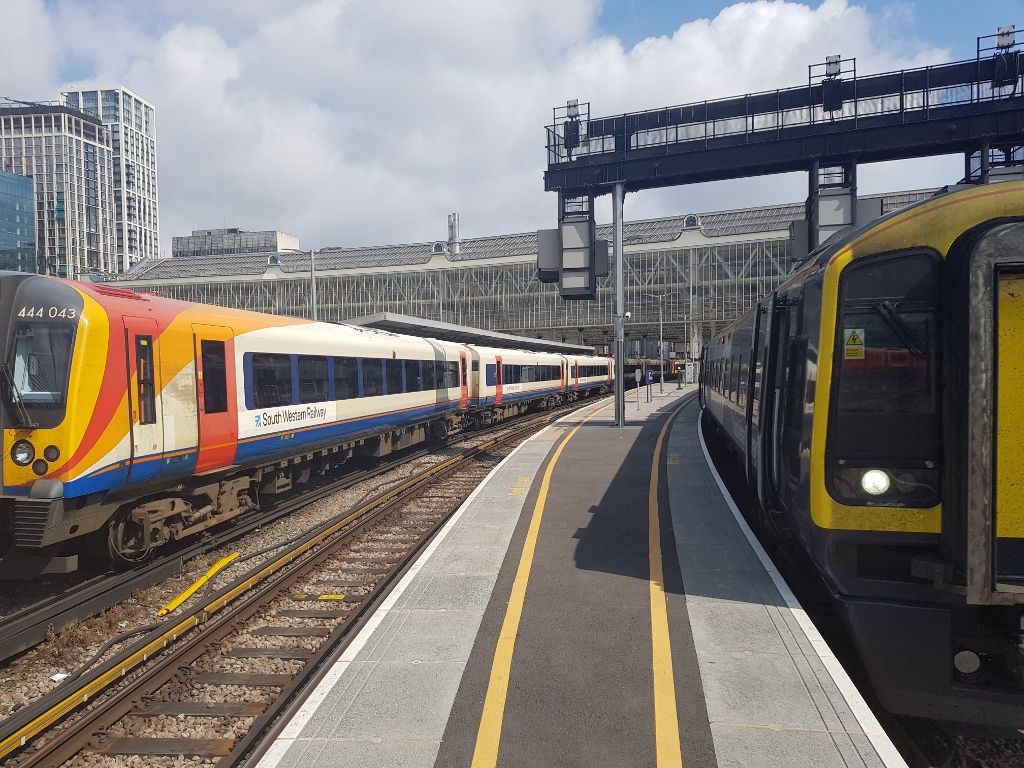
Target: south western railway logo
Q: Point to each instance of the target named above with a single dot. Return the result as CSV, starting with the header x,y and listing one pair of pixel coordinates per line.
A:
x,y
292,416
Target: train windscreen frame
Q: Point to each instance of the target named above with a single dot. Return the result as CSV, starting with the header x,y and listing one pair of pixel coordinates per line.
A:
x,y
884,441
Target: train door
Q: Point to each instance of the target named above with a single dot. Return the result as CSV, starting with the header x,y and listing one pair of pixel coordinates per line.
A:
x,y
753,387
770,438
498,378
983,462
216,402
144,401
463,381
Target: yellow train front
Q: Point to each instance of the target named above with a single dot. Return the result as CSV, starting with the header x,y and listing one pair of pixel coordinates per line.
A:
x,y
875,406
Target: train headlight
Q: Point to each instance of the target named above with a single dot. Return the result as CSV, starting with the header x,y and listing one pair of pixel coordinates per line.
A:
x,y
875,481
22,453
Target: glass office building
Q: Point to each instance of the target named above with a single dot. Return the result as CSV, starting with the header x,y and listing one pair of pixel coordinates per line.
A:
x,y
17,223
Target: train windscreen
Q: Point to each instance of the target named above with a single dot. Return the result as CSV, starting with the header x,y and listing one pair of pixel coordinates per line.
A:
x,y
40,364
884,435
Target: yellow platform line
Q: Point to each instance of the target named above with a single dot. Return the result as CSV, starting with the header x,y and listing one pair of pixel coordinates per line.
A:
x,y
666,714
488,736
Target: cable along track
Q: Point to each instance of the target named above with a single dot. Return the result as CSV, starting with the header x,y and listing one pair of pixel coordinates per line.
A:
x,y
225,669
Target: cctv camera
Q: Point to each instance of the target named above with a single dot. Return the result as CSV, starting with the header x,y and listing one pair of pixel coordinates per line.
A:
x,y
629,315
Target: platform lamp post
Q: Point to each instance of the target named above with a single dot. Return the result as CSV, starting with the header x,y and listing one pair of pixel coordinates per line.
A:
x,y
312,284
661,341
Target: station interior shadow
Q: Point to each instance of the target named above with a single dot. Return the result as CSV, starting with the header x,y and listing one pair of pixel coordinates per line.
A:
x,y
615,540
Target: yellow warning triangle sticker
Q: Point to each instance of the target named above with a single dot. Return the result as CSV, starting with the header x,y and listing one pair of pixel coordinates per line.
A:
x,y
855,340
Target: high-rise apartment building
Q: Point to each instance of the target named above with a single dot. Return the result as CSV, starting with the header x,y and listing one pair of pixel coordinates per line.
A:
x,y
132,124
69,156
17,223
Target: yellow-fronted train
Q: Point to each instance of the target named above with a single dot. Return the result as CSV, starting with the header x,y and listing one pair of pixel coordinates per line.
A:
x,y
874,405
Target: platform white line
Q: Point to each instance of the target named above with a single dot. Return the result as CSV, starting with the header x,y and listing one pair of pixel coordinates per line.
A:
x,y
291,731
883,745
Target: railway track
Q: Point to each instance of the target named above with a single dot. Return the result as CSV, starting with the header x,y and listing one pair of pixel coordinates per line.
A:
x,y
237,658
30,625
25,628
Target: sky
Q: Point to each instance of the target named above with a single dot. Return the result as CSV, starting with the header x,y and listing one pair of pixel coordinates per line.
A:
x,y
365,122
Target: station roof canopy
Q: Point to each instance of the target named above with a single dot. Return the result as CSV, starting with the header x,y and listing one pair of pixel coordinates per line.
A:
x,y
463,334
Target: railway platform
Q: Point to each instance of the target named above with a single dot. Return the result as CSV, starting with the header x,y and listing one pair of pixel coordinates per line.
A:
x,y
597,601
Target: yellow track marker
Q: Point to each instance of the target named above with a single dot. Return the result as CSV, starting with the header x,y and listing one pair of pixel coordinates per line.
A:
x,y
666,716
488,735
217,567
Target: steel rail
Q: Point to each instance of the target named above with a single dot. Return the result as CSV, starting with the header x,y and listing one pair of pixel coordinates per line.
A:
x,y
28,627
216,613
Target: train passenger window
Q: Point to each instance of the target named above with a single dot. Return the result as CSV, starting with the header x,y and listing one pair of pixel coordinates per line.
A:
x,y
393,376
145,380
451,374
427,374
312,379
346,378
215,379
373,377
271,380
411,371
490,378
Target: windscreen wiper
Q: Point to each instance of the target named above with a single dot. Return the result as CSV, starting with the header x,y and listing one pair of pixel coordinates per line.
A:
x,y
899,326
15,398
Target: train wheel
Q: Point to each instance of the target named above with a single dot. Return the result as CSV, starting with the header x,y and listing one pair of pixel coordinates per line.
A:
x,y
126,540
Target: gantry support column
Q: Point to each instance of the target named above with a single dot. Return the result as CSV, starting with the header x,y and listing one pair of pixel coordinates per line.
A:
x,y
618,194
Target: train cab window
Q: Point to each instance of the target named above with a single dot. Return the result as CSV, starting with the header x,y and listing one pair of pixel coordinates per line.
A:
x,y
476,365
42,360
215,379
886,368
346,378
145,379
271,380
393,376
373,377
312,379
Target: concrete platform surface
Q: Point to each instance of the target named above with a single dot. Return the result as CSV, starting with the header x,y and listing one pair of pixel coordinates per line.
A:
x,y
548,624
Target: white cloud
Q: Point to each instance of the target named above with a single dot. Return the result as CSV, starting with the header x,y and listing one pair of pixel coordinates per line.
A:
x,y
27,69
352,123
